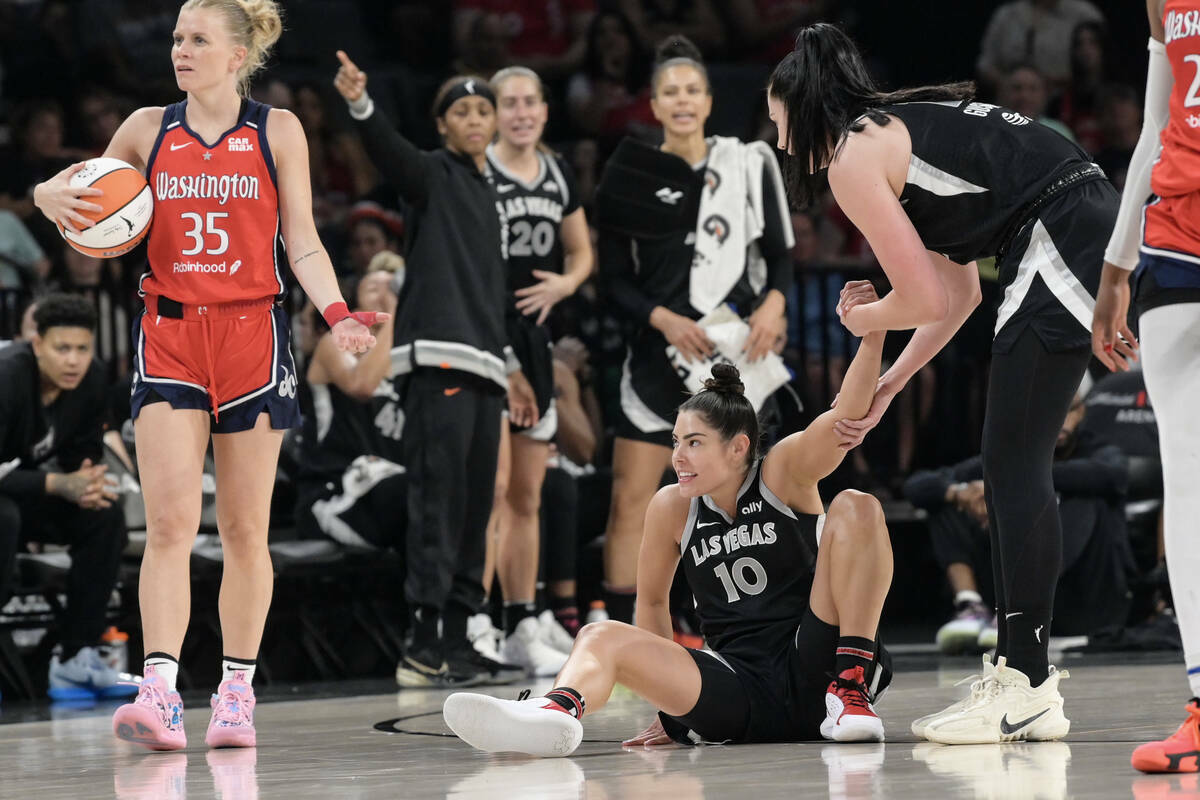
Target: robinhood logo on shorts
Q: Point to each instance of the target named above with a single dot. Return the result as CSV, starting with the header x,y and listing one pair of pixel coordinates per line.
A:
x,y
222,267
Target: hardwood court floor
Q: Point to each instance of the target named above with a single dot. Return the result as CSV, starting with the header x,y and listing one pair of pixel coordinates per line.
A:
x,y
331,748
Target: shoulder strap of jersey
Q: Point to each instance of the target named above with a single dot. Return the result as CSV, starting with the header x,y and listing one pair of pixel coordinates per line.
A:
x,y
690,525
556,173
171,118
256,119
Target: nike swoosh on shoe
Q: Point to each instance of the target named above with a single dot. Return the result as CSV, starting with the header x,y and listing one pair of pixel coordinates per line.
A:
x,y
1006,728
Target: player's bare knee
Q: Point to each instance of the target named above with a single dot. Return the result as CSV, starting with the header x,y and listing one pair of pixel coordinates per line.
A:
x,y
243,538
171,530
856,516
523,500
600,636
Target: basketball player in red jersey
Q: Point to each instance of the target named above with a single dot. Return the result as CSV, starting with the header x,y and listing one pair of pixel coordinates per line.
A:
x,y
212,357
1166,168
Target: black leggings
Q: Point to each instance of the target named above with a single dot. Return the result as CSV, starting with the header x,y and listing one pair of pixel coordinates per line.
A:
x,y
1029,392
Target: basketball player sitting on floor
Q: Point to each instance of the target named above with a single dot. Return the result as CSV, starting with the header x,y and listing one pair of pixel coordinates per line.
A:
x,y
780,613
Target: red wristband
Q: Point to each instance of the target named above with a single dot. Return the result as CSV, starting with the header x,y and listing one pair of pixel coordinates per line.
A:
x,y
335,313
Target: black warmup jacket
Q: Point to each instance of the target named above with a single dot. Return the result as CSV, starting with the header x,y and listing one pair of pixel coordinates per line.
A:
x,y
451,308
67,431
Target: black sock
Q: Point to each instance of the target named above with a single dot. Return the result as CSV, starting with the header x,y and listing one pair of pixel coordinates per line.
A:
x,y
1028,645
514,613
570,700
424,627
454,623
619,602
854,651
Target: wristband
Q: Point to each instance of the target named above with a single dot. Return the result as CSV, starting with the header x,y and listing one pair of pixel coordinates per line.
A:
x,y
335,313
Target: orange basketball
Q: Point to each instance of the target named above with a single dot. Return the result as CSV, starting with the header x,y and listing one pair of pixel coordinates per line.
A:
x,y
128,207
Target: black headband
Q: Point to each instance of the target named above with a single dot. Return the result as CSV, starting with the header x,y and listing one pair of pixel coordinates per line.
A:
x,y
469,87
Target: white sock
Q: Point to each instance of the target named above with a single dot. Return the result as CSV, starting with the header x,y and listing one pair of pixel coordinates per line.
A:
x,y
231,665
1171,363
967,596
165,667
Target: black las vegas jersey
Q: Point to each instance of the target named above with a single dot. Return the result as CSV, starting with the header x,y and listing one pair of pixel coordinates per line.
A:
x,y
534,213
751,575
975,167
336,432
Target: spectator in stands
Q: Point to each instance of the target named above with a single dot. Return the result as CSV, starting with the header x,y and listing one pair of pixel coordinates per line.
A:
x,y
275,92
1079,104
341,172
1120,125
37,153
1033,31
22,261
610,97
98,280
347,489
766,29
1119,410
484,50
1024,89
99,114
52,483
654,20
371,229
545,35
122,43
1090,478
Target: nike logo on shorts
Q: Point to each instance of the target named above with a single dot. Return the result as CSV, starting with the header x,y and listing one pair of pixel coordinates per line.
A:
x,y
452,392
1007,728
175,147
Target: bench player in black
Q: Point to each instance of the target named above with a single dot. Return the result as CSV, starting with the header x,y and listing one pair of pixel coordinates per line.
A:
x,y
787,594
935,181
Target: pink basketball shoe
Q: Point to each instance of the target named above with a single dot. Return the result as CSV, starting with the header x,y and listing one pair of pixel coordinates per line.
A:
x,y
232,723
155,718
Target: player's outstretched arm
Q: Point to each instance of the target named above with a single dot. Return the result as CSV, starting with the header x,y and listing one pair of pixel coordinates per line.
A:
x,y
400,162
802,459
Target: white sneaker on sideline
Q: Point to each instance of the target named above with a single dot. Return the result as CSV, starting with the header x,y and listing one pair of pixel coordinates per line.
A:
x,y
979,685
554,634
484,636
536,726
1010,711
526,648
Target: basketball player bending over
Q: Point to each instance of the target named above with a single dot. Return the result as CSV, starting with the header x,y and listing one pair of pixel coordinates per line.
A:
x,y
786,592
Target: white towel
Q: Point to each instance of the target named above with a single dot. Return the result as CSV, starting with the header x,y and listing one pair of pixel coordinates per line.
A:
x,y
731,220
728,332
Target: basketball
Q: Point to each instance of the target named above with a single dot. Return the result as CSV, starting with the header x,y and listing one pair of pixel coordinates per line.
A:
x,y
128,207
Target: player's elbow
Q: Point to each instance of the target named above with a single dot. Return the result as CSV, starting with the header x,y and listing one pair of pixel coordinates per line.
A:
x,y
931,306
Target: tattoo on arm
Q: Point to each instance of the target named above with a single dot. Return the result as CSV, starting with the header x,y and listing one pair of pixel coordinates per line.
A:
x,y
306,255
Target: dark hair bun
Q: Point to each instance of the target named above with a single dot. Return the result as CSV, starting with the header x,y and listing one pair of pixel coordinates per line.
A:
x,y
677,46
725,379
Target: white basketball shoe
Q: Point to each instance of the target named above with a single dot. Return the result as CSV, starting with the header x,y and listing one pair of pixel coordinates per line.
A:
x,y
1010,710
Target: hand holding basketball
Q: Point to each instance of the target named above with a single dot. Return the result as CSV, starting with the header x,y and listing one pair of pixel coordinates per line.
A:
x,y
350,81
63,203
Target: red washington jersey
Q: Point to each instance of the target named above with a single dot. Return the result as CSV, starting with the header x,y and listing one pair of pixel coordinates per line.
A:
x,y
1177,171
215,236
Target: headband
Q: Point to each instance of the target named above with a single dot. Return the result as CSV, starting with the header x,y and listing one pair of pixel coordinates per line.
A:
x,y
469,87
